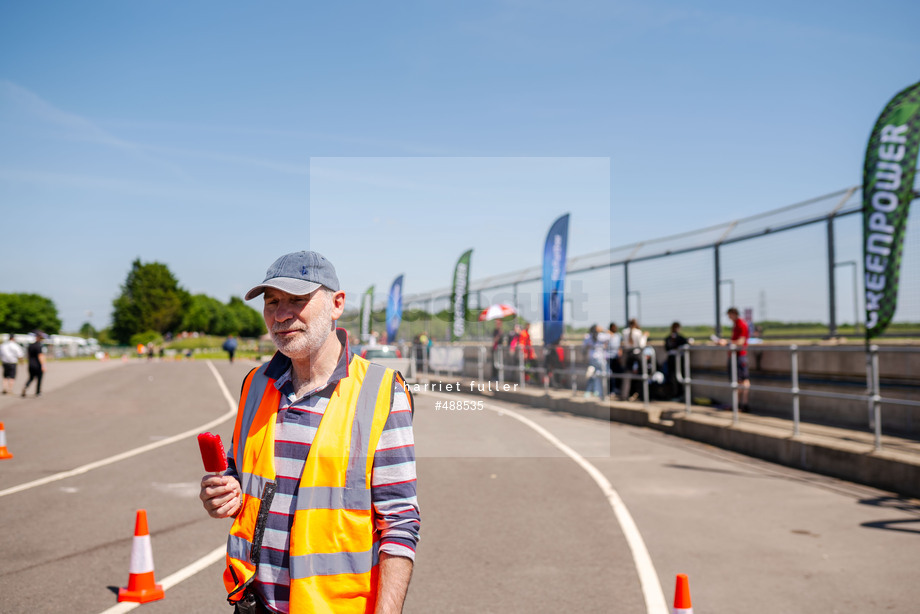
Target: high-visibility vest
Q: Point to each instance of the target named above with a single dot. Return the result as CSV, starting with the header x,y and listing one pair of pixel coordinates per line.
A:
x,y
333,543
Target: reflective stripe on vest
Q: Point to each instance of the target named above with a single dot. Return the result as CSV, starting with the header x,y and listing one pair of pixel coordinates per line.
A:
x,y
310,565
315,497
361,427
334,543
257,386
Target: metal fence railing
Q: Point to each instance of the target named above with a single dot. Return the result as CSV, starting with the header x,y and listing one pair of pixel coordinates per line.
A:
x,y
547,370
811,250
872,397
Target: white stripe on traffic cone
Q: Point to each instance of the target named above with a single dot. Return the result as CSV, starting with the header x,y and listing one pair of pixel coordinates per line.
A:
x,y
4,453
142,586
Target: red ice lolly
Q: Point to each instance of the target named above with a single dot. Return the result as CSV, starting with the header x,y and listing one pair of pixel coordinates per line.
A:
x,y
212,453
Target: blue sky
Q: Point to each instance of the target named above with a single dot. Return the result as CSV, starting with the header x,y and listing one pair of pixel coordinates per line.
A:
x,y
186,132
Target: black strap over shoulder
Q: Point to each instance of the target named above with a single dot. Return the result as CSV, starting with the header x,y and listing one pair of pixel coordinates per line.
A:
x,y
398,377
243,384
268,493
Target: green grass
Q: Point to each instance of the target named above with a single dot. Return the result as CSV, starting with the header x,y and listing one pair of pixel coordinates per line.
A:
x,y
205,342
251,355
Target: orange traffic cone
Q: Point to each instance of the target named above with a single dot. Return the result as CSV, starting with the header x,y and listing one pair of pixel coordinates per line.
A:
x,y
682,595
4,453
141,585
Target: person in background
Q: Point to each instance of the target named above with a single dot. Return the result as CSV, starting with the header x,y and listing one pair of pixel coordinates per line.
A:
x,y
740,335
36,353
230,346
596,343
10,355
614,358
672,344
554,363
634,340
526,348
421,351
515,338
498,340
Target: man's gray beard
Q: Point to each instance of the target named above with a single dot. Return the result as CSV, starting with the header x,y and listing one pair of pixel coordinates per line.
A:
x,y
306,345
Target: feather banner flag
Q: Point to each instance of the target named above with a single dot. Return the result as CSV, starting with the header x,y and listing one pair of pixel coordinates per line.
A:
x,y
394,309
554,279
888,189
459,298
367,310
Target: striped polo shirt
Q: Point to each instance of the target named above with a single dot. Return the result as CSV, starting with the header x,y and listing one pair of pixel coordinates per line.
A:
x,y
393,478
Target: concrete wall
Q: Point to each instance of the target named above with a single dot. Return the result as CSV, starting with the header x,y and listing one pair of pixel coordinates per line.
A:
x,y
772,367
846,367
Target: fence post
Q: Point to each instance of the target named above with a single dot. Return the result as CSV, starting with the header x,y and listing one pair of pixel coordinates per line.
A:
x,y
643,357
605,380
572,351
795,389
876,398
482,363
501,364
521,366
685,351
831,281
734,371
626,288
718,297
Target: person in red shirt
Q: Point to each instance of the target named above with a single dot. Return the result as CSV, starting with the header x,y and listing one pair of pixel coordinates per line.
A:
x,y
740,335
522,343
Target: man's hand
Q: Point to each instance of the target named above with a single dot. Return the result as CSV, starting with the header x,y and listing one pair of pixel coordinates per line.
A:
x,y
393,584
221,495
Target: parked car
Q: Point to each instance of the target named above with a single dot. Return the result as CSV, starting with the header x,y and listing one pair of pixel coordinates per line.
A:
x,y
373,352
389,356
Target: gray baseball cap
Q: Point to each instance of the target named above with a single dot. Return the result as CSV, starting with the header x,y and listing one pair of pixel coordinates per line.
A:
x,y
298,273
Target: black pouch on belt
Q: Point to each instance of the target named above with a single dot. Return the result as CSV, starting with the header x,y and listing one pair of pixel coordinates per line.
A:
x,y
247,605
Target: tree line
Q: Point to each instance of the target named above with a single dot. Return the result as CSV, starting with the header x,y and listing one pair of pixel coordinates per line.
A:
x,y
151,304
152,301
23,313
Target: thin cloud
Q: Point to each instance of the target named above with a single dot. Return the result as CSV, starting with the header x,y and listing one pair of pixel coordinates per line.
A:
x,y
280,167
393,147
74,126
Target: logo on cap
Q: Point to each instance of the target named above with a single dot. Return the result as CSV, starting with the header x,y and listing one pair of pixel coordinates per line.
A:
x,y
303,270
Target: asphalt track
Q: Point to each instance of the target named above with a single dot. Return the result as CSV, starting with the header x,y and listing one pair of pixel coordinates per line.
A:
x,y
510,523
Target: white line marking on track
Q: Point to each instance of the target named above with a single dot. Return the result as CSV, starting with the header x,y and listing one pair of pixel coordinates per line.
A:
x,y
170,581
131,453
648,578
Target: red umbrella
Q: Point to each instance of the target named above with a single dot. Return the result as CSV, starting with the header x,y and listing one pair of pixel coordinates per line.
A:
x,y
496,312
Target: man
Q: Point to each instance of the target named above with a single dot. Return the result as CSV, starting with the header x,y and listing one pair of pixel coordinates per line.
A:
x,y
36,354
10,355
634,341
498,339
672,344
740,334
596,342
614,357
321,483
230,347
